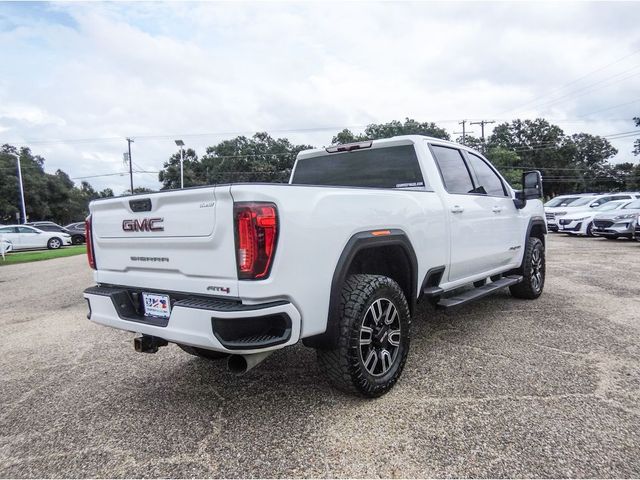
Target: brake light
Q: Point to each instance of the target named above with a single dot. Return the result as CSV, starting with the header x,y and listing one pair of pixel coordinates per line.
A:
x,y
89,239
256,226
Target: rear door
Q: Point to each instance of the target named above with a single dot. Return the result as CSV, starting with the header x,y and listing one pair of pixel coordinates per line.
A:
x,y
495,196
477,227
30,238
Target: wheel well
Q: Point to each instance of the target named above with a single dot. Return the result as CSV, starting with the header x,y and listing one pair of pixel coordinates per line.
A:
x,y
538,231
389,260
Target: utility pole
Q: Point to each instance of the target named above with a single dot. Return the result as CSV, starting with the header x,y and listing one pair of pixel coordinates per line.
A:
x,y
464,130
482,123
129,141
22,207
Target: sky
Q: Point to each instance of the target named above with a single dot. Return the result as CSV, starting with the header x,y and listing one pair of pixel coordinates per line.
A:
x,y
78,78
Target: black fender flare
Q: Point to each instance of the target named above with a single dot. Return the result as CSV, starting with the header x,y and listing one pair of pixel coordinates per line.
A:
x,y
533,221
357,243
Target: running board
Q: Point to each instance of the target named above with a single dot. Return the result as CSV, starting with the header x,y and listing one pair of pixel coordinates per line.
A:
x,y
479,292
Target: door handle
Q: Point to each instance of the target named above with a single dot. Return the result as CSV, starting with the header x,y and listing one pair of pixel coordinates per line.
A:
x,y
457,209
496,209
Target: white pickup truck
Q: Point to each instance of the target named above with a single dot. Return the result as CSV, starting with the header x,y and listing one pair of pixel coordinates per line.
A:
x,y
337,258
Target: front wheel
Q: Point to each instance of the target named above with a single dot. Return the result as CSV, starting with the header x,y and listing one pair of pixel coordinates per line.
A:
x,y
590,230
532,271
373,337
54,243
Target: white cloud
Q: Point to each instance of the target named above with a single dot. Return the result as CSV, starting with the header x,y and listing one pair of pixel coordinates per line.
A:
x,y
111,70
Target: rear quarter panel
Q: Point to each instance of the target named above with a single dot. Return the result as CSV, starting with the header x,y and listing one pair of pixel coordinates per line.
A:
x,y
315,224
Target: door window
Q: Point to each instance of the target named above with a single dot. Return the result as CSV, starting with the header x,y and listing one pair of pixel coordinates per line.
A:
x,y
455,174
26,230
487,178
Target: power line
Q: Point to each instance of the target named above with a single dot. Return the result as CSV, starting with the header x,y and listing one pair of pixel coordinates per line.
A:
x,y
559,89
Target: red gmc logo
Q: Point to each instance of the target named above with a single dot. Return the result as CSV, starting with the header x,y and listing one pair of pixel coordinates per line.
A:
x,y
144,225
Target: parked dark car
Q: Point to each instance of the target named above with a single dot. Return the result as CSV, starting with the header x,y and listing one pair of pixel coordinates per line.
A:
x,y
77,231
77,235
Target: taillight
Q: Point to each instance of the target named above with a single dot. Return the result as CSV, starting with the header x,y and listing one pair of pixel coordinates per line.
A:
x,y
89,239
256,238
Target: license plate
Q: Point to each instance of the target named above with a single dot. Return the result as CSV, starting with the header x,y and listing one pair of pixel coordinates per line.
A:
x,y
156,305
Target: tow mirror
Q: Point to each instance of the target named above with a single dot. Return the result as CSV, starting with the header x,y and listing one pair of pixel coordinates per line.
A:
x,y
532,185
531,188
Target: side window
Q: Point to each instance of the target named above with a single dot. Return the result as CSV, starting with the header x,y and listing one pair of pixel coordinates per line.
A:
x,y
7,230
487,178
454,170
25,230
621,197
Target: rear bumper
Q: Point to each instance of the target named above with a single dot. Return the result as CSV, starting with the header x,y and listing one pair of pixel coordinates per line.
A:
x,y
220,325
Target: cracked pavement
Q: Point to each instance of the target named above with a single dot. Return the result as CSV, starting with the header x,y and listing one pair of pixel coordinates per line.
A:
x,y
500,388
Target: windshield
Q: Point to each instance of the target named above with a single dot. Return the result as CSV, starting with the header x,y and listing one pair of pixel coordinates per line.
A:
x,y
560,202
608,206
633,205
582,201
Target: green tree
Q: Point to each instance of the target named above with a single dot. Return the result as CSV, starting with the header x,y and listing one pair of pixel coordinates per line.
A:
x,y
169,176
47,196
394,128
541,146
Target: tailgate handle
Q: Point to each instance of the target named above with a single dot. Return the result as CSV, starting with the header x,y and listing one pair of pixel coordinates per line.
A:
x,y
143,205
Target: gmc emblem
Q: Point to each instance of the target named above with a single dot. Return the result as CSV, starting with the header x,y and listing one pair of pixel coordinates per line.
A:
x,y
144,225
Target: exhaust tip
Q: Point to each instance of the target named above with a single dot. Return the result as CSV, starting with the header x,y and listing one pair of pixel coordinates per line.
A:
x,y
237,364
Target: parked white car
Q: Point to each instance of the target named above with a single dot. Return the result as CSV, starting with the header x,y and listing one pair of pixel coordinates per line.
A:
x,y
557,203
581,222
619,223
553,214
23,237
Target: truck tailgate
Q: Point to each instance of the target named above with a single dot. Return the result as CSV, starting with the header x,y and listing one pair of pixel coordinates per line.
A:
x,y
181,240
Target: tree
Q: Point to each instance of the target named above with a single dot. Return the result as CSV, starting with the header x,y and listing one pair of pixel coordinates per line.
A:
x,y
47,196
471,142
260,158
508,164
591,155
541,146
391,129
192,170
137,190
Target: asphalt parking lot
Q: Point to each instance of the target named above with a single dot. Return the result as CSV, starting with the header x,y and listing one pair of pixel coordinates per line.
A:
x,y
503,387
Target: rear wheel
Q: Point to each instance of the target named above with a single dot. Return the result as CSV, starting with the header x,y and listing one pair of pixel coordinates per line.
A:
x,y
54,243
532,271
203,352
373,339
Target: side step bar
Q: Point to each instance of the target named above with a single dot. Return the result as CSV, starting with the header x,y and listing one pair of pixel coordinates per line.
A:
x,y
479,292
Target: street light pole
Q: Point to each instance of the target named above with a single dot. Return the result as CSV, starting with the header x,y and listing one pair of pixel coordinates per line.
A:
x,y
22,207
180,143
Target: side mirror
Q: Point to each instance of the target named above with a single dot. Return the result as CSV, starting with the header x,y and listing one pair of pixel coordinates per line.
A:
x,y
531,185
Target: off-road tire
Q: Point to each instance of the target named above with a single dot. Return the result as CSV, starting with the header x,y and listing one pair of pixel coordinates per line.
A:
x,y
54,243
531,288
203,352
343,365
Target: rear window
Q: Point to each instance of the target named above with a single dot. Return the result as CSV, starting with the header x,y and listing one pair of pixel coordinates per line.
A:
x,y
390,167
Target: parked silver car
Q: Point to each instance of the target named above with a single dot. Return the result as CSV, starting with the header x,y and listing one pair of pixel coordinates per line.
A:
x,y
619,223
